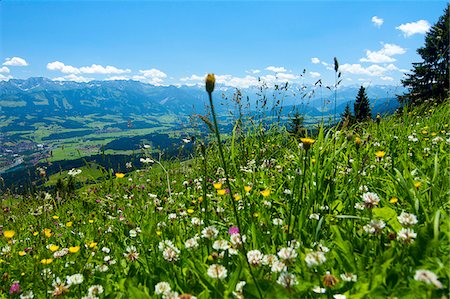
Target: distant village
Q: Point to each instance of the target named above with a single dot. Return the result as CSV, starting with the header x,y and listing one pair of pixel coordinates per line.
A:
x,y
14,154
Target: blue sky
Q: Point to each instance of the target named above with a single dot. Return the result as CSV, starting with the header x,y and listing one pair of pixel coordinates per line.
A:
x,y
178,42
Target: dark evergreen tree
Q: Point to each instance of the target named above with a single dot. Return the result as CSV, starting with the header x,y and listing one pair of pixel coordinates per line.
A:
x,y
429,79
362,106
347,116
296,125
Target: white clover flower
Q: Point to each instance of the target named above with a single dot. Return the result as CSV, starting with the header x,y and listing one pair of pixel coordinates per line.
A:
x,y
319,290
131,253
240,286
171,254
210,232
75,279
74,172
255,257
171,295
407,219
172,216
192,242
165,244
287,280
217,271
428,277
277,221
315,258
374,227
236,239
196,221
287,254
314,216
95,290
27,295
106,250
102,268
162,288
132,233
370,199
278,267
363,188
406,235
221,245
269,259
339,296
349,277
60,253
146,160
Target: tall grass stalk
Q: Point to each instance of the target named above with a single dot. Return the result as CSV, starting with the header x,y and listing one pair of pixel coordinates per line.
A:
x,y
210,81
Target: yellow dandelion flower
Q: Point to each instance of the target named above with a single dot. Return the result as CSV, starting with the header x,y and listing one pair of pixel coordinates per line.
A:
x,y
55,217
69,224
237,197
265,193
22,253
74,249
120,175
92,244
190,211
393,200
221,191
158,233
433,134
380,154
358,141
424,132
307,142
217,185
46,261
91,221
256,214
247,188
200,199
417,184
53,247
35,234
313,161
8,234
47,232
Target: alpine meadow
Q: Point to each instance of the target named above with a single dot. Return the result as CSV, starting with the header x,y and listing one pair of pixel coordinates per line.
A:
x,y
251,180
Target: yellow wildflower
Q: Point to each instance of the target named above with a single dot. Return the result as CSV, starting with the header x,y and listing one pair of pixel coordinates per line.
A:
x,y
47,232
74,249
8,234
69,224
393,200
46,261
209,82
158,233
417,184
22,253
200,199
190,211
221,191
120,175
380,154
247,188
53,247
237,197
92,244
265,193
217,185
91,221
307,142
35,234
55,217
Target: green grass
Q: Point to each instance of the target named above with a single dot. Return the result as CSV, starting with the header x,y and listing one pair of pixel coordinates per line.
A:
x,y
121,224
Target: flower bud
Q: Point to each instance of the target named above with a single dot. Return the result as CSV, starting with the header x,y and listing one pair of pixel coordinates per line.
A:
x,y
210,81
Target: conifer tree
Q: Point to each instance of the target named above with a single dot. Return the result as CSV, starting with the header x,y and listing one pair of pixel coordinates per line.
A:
x,y
429,79
347,116
362,106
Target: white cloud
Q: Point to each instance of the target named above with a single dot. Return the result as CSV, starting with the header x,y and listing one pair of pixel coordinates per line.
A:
x,y
117,78
4,70
93,69
276,69
253,71
315,60
15,61
99,69
59,66
314,74
383,55
152,76
193,78
5,78
419,27
73,77
286,77
357,69
377,21
387,78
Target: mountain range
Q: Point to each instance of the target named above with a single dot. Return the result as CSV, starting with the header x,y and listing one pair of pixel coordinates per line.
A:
x,y
45,98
